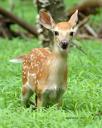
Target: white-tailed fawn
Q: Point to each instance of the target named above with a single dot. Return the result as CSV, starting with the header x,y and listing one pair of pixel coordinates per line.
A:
x,y
45,71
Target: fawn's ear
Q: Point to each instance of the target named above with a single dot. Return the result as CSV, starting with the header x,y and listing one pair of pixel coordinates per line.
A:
x,y
74,19
46,20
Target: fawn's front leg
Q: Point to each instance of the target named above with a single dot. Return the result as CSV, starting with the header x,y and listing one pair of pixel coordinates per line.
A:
x,y
26,94
39,101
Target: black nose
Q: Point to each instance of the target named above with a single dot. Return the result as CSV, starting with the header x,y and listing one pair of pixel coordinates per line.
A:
x,y
64,44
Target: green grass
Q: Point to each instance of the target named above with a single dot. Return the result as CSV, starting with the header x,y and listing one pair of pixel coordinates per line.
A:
x,y
82,98
81,101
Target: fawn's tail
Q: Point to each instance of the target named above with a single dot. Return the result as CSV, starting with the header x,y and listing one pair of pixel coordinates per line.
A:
x,y
18,59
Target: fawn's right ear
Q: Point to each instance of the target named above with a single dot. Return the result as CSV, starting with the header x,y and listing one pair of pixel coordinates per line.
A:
x,y
46,20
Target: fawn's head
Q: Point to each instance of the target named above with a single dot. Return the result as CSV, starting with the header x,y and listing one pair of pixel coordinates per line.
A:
x,y
63,31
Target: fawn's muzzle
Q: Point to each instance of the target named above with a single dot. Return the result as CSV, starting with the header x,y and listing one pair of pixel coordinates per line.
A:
x,y
64,44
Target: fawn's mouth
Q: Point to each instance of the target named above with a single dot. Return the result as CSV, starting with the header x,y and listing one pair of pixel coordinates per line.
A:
x,y
64,46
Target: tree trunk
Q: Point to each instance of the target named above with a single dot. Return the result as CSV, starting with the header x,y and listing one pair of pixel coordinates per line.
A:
x,y
57,10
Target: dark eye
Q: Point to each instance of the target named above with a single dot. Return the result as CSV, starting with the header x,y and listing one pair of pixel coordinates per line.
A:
x,y
71,33
56,33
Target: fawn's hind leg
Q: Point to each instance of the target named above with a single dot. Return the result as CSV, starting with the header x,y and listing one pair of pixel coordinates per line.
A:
x,y
26,94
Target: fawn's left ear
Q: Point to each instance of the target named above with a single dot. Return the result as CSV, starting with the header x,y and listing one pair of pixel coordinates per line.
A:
x,y
74,19
46,20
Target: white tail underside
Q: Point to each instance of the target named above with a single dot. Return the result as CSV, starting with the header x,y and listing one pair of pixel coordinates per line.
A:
x,y
16,61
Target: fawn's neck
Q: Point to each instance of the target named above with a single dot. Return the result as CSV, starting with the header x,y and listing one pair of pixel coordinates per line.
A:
x,y
58,68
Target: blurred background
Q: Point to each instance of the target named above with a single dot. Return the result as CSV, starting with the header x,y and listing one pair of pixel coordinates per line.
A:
x,y
19,18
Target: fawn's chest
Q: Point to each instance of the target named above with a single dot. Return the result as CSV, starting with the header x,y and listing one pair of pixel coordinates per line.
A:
x,y
56,83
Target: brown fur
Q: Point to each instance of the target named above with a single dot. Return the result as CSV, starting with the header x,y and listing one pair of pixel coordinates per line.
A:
x,y
36,71
64,26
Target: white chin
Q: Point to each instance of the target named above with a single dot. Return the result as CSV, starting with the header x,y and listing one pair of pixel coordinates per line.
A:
x,y
64,49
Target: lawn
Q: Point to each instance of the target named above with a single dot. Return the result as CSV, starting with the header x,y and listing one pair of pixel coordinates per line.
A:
x,y
82,101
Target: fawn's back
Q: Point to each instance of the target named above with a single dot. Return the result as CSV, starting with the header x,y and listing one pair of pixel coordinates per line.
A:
x,y
36,66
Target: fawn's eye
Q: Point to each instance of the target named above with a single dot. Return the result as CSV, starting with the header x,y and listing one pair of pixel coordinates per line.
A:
x,y
56,33
71,33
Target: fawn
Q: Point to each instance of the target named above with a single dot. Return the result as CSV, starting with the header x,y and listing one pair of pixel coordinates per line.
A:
x,y
44,70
